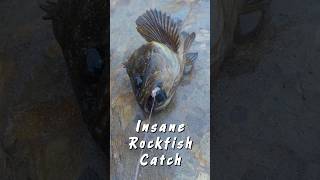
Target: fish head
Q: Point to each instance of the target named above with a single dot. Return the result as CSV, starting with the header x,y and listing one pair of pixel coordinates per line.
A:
x,y
152,76
158,84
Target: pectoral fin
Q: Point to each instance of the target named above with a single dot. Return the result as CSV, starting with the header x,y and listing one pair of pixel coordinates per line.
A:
x,y
190,59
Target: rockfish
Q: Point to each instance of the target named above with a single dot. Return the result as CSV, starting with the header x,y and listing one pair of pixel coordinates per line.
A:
x,y
156,68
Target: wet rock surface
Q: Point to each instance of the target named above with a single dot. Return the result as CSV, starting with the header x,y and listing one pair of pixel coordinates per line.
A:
x,y
42,133
266,118
190,105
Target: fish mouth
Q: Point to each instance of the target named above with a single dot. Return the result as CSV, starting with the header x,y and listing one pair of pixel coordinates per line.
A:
x,y
155,96
152,103
155,103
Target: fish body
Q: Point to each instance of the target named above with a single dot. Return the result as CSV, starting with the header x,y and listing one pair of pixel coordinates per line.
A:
x,y
161,62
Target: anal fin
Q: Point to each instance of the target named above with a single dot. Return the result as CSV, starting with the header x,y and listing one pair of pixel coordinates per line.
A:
x,y
190,59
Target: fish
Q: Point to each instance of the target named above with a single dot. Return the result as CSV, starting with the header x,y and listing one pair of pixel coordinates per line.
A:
x,y
157,67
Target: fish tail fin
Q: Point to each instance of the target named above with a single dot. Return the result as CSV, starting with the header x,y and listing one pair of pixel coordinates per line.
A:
x,y
157,26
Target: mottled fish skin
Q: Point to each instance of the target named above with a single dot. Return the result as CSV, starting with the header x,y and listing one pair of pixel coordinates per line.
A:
x,y
161,61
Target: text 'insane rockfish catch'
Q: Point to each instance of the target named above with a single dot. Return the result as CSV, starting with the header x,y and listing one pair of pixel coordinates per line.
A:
x,y
157,67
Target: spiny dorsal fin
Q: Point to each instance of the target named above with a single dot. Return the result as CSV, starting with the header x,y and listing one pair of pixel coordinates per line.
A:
x,y
157,26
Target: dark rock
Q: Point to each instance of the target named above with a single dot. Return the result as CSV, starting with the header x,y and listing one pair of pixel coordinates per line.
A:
x,y
80,28
239,114
228,23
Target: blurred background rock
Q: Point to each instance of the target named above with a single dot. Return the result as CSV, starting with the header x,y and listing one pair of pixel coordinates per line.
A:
x,y
42,132
266,115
